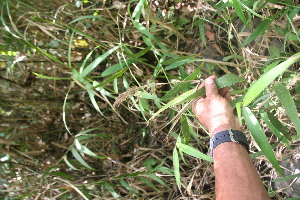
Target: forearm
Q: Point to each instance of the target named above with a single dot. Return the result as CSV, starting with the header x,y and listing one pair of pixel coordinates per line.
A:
x,y
236,176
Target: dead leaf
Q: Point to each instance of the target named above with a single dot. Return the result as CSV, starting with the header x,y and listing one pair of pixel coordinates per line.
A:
x,y
210,35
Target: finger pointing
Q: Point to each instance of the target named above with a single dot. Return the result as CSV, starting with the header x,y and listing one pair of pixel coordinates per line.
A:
x,y
210,86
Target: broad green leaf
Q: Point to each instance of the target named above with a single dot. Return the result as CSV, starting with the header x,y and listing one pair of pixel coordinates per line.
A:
x,y
182,86
260,138
176,167
193,152
267,78
110,188
48,77
117,67
274,130
287,101
97,61
128,187
237,5
80,159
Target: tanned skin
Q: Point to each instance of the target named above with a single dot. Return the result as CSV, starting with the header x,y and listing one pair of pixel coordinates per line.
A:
x,y
236,176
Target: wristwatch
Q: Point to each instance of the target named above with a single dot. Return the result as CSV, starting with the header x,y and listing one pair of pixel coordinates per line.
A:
x,y
228,136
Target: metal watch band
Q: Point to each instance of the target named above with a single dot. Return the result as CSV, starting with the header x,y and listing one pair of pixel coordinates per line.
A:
x,y
228,136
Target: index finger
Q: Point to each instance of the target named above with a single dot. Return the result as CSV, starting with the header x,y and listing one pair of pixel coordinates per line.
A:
x,y
210,86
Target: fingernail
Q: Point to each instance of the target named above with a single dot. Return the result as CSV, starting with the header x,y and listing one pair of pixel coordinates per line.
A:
x,y
209,81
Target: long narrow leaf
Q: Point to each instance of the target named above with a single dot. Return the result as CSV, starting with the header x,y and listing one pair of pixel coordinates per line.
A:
x,y
176,167
239,11
128,187
257,87
260,138
80,159
289,105
260,29
193,152
274,130
182,86
110,188
97,61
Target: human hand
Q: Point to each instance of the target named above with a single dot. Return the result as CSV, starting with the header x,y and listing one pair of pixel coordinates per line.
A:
x,y
213,110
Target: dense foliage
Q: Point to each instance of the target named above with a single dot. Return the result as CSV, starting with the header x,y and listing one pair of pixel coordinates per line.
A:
x,y
96,95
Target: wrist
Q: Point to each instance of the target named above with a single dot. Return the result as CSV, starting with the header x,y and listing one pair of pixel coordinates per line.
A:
x,y
220,128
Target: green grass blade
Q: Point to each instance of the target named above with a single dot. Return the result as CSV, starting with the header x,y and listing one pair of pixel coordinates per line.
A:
x,y
117,67
61,174
51,78
279,126
157,179
274,130
110,188
257,87
92,96
260,138
97,61
193,152
182,86
147,182
176,167
128,187
237,5
180,63
64,108
80,159
68,163
251,11
185,129
111,78
202,31
178,59
85,150
286,178
260,29
287,101
137,11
